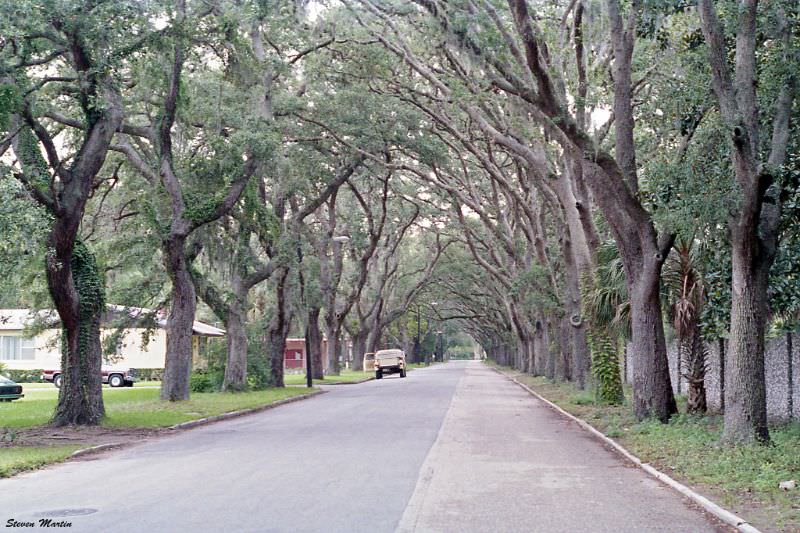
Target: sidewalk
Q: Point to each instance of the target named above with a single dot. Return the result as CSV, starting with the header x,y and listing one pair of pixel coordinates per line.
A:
x,y
503,461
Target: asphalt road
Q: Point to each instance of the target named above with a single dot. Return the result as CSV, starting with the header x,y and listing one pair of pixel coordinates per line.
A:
x,y
453,447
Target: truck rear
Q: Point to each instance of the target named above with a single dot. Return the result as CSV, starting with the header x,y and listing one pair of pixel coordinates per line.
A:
x,y
390,362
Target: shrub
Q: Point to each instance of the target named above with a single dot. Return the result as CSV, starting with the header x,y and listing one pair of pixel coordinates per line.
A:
x,y
200,382
205,381
23,376
148,374
259,371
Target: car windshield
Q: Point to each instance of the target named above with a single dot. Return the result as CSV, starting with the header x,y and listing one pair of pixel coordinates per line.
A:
x,y
5,381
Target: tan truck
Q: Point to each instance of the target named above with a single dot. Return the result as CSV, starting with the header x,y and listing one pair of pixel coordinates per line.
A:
x,y
369,361
390,362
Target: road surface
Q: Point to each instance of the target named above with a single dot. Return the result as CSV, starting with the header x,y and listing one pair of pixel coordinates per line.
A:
x,y
453,447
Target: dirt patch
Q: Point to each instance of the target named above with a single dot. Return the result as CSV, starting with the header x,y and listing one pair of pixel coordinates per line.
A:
x,y
89,436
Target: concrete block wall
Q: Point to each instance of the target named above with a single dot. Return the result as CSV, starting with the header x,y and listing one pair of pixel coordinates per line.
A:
x,y
776,360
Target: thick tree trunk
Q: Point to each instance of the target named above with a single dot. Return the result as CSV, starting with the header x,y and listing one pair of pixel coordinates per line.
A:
x,y
562,370
276,349
78,293
722,356
523,354
333,350
374,337
314,337
236,366
180,322
359,349
652,388
745,391
576,264
278,329
540,345
789,376
552,354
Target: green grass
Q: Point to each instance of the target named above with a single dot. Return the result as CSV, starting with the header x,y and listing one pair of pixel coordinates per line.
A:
x,y
345,376
14,460
132,407
742,478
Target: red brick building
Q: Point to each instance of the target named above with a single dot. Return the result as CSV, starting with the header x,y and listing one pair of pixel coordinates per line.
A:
x,y
294,356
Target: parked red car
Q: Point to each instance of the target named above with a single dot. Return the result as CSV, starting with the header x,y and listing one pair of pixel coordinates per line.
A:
x,y
114,378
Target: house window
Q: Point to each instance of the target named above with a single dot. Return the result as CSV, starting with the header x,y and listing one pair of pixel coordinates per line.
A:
x,y
14,348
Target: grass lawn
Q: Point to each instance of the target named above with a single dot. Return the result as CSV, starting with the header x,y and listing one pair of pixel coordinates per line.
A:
x,y
13,460
137,407
125,408
742,478
345,376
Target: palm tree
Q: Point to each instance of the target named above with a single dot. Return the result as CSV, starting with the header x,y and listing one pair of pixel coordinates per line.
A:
x,y
685,292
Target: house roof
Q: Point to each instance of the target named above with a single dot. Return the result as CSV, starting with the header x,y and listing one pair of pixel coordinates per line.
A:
x,y
199,328
17,319
13,319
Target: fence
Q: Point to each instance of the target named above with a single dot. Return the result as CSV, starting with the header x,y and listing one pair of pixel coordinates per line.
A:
x,y
781,360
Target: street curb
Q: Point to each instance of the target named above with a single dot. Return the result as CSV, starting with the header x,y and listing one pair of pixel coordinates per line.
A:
x,y
234,414
96,449
348,382
709,506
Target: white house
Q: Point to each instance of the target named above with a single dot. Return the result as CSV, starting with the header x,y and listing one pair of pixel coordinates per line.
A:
x,y
43,350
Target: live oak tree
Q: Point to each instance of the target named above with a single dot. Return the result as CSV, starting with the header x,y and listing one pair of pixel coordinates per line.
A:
x,y
59,61
754,220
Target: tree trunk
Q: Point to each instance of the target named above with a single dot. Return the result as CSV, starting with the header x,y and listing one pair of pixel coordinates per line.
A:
x,y
374,336
652,388
276,350
333,350
359,349
314,336
579,348
745,392
789,376
550,363
236,365
79,295
695,364
721,345
180,322
278,329
540,346
562,370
